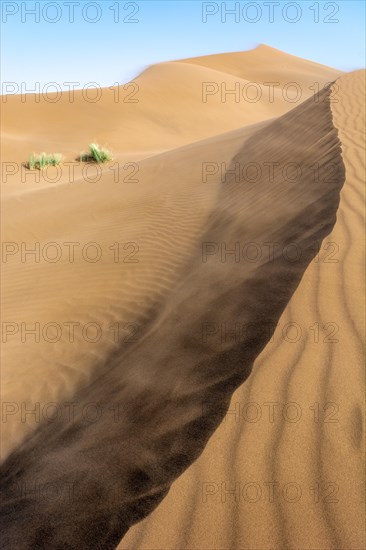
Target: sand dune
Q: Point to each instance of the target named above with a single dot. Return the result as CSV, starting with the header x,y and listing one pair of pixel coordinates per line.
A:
x,y
266,64
322,452
172,386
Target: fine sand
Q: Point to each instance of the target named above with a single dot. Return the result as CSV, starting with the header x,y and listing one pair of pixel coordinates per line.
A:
x,y
236,382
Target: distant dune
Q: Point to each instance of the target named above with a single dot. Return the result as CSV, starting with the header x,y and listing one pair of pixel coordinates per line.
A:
x,y
164,107
237,378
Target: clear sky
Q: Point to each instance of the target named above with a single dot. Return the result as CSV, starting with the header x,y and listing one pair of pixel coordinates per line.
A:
x,y
112,41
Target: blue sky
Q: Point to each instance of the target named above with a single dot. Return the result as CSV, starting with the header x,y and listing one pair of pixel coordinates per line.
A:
x,y
112,41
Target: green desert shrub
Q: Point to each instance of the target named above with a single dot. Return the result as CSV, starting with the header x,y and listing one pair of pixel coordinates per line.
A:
x,y
42,160
96,154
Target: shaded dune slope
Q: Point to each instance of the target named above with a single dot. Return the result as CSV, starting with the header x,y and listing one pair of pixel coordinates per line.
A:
x,y
172,388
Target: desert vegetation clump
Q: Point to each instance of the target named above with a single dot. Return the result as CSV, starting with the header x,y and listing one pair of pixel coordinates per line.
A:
x,y
42,160
96,154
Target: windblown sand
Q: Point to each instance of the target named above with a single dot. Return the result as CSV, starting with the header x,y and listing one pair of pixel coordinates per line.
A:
x,y
278,342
